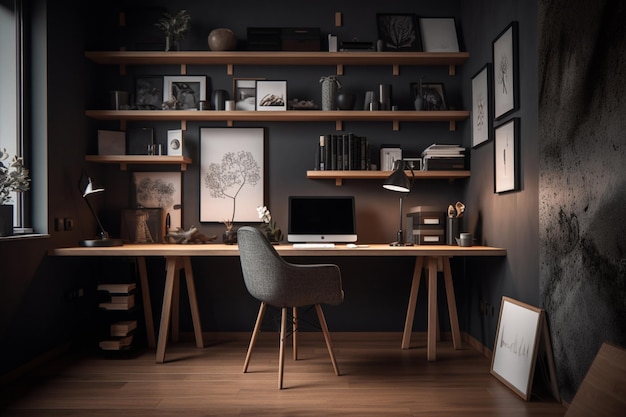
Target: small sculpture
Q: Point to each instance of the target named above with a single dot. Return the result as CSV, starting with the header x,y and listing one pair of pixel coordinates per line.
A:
x,y
192,235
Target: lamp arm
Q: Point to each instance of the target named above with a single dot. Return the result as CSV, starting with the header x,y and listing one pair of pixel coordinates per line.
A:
x,y
103,233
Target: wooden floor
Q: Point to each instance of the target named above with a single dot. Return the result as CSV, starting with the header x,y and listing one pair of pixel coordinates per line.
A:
x,y
378,379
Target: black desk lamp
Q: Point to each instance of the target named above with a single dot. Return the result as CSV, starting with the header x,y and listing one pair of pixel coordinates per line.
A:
x,y
86,187
399,182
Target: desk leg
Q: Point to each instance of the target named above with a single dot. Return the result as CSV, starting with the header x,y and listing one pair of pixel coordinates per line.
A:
x,y
432,309
175,308
410,312
147,304
193,302
170,267
454,320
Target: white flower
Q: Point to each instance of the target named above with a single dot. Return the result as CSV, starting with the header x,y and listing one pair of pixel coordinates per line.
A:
x,y
264,214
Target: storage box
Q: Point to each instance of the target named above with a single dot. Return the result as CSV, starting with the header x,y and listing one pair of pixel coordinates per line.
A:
x,y
427,215
111,142
428,236
301,39
263,39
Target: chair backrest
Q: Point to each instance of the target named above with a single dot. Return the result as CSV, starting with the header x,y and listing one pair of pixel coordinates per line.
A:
x,y
271,279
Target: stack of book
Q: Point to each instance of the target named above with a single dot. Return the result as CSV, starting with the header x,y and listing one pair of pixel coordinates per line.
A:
x,y
342,152
444,158
118,297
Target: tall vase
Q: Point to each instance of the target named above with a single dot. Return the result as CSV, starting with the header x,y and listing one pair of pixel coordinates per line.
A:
x,y
330,85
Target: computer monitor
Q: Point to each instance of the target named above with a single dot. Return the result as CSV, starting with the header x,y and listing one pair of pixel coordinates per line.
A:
x,y
315,219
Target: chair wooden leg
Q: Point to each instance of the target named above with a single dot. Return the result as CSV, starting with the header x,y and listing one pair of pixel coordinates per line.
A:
x,y
294,333
281,351
329,345
255,333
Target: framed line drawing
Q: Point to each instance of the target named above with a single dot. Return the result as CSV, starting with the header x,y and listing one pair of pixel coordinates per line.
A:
x,y
506,156
163,190
398,31
244,93
187,90
439,34
232,174
515,347
481,106
271,95
505,71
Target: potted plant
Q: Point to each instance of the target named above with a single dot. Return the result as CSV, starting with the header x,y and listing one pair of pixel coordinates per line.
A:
x,y
175,26
230,236
13,178
272,231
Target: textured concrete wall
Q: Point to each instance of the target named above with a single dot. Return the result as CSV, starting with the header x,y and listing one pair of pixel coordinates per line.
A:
x,y
582,126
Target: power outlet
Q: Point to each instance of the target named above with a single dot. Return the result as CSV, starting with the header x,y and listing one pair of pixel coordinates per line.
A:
x,y
68,224
59,225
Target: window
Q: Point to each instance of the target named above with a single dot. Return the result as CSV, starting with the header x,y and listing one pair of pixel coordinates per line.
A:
x,y
12,97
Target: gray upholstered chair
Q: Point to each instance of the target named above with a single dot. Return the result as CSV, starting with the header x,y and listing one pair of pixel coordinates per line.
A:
x,y
272,280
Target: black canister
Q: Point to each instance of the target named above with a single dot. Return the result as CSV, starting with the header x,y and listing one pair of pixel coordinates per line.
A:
x,y
452,230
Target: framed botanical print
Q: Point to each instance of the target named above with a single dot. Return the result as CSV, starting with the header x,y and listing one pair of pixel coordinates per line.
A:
x,y
481,106
505,72
163,190
398,31
506,156
232,174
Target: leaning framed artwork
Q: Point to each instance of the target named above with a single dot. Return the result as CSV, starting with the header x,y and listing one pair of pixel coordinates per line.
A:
x,y
506,156
183,92
232,174
439,34
433,96
271,95
244,93
505,72
398,31
481,106
148,93
163,190
515,346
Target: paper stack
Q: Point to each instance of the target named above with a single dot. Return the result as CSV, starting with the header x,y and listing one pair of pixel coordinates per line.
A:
x,y
444,157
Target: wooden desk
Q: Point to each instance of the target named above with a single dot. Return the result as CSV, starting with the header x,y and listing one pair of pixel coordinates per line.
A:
x,y
434,258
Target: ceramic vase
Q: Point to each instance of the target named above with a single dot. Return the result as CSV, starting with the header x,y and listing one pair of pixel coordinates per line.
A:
x,y
330,85
345,101
222,39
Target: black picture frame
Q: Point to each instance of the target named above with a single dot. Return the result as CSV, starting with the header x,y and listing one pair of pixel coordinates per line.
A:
x,y
433,96
138,140
506,156
399,31
505,58
148,93
482,106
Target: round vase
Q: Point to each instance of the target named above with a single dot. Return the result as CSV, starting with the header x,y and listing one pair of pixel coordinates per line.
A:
x,y
222,39
345,101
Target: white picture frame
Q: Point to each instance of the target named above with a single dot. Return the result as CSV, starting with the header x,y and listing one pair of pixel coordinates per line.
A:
x,y
188,90
271,95
175,142
505,72
481,106
232,174
439,34
506,156
160,189
515,347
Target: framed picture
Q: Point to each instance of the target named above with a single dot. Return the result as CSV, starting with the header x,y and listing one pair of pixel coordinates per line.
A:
x,y
148,93
439,34
505,72
160,190
175,142
143,225
398,32
139,140
271,95
433,95
244,93
232,174
183,92
515,346
481,106
506,157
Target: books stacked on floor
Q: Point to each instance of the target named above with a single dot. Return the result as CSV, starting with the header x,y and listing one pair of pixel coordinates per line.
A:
x,y
119,296
123,328
118,299
117,344
342,152
444,158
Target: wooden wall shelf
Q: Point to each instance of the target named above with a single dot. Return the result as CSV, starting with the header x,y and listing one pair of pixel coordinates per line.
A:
x,y
339,176
125,160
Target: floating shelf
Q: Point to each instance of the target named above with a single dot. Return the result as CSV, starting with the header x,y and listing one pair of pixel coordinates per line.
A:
x,y
125,160
339,176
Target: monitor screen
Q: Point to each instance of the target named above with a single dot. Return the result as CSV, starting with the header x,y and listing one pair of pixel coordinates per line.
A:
x,y
322,219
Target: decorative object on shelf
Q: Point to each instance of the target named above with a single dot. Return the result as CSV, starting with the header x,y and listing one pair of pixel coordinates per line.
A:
x,y
346,101
330,85
186,90
231,170
398,32
148,93
218,99
229,236
433,97
302,104
142,225
244,93
439,34
370,101
13,178
416,93
454,222
505,70
222,39
119,100
269,227
399,182
175,27
271,95
87,188
182,236
384,97
175,142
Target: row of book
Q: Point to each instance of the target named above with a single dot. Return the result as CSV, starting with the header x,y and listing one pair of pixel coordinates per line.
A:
x,y
343,151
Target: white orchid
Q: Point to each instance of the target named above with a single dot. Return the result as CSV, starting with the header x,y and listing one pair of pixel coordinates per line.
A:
x,y
271,230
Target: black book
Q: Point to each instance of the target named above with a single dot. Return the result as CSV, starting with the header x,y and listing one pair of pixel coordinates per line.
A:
x,y
333,150
327,153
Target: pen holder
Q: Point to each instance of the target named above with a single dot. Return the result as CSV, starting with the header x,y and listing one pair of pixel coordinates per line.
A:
x,y
452,230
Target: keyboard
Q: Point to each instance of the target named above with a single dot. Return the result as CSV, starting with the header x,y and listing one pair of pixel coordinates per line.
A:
x,y
313,245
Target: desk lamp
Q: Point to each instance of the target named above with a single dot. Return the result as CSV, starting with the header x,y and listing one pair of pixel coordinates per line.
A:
x,y
399,182
87,188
